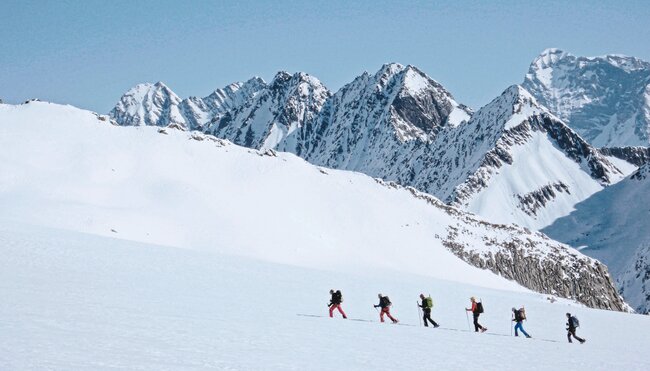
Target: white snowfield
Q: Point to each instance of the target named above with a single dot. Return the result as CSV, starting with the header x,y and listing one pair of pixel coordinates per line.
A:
x,y
251,240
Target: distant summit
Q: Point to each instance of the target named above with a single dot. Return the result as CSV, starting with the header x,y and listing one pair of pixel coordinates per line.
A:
x,y
605,99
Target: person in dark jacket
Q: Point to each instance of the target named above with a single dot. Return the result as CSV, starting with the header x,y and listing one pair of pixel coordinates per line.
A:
x,y
519,317
476,313
384,304
572,325
335,303
426,310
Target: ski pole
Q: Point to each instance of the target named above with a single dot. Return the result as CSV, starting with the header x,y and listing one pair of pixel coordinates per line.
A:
x,y
467,316
511,318
419,316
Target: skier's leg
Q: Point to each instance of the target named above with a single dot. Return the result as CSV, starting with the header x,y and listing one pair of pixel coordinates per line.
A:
x,y
390,316
517,327
381,314
332,310
426,316
476,325
341,311
521,327
568,336
578,338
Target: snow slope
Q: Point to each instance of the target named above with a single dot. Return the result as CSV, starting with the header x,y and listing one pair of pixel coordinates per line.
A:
x,y
614,227
190,190
252,240
85,302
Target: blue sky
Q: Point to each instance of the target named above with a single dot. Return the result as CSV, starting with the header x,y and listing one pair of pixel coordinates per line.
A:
x,y
87,53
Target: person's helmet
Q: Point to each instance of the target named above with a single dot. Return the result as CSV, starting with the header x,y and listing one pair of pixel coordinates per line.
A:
x,y
568,314
379,295
422,296
331,291
514,309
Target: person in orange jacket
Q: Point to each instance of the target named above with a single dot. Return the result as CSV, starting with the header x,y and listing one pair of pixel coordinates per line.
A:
x,y
476,309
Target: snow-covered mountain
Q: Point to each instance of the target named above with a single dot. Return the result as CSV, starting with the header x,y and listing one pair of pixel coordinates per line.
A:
x,y
192,190
605,99
514,162
157,105
374,123
276,116
614,227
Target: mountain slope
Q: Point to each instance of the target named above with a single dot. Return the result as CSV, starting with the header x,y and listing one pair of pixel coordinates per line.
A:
x,y
613,227
514,162
511,162
605,99
195,191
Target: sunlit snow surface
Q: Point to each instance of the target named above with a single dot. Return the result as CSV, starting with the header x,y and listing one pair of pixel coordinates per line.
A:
x,y
252,241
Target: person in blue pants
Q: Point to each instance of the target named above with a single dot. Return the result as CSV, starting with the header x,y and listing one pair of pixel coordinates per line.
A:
x,y
519,317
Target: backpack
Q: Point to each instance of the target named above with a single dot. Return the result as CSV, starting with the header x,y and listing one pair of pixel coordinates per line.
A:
x,y
385,301
520,314
575,322
479,307
339,296
428,302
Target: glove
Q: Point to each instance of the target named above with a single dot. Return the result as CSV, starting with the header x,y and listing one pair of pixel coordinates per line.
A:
x,y
376,306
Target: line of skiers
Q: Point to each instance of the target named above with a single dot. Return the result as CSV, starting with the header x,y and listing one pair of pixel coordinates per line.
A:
x,y
426,304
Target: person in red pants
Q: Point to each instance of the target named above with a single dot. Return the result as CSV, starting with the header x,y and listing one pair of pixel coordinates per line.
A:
x,y
384,304
335,303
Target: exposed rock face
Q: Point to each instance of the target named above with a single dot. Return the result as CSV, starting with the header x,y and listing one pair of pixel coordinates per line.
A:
x,y
605,99
634,155
535,200
635,281
529,258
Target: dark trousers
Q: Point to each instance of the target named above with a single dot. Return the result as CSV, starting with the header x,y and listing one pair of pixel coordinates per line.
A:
x,y
477,326
572,332
427,317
